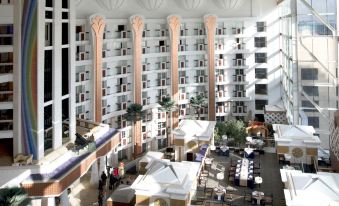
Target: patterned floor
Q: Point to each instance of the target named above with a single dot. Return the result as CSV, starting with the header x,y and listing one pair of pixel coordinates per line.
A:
x,y
269,171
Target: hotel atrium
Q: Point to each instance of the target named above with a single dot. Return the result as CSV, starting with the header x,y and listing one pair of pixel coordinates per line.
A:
x,y
171,99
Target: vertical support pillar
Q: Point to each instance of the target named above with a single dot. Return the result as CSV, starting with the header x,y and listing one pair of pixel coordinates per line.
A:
x,y
71,71
57,77
98,25
94,173
64,201
210,25
17,127
174,28
137,23
48,201
102,165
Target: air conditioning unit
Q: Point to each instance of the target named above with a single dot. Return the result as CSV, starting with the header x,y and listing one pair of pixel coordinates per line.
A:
x,y
82,116
162,32
123,87
123,34
200,47
163,65
239,62
123,69
123,51
82,97
220,78
201,63
182,112
182,96
144,67
182,48
201,79
123,105
162,48
163,82
82,76
182,80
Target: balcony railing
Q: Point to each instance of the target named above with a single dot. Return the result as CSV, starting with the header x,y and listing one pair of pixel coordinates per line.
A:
x,y
6,69
6,96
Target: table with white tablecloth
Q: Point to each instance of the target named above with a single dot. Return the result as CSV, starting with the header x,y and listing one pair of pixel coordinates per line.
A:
x,y
244,173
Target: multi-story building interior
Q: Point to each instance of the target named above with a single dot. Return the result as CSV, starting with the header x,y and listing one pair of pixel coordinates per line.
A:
x,y
63,61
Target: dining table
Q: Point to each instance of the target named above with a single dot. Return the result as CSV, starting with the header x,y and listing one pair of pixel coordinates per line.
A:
x,y
258,195
219,191
244,173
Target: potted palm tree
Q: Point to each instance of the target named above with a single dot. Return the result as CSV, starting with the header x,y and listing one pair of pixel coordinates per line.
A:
x,y
167,106
133,115
198,103
14,196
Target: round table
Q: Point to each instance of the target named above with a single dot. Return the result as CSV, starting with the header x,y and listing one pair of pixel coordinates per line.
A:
x,y
258,196
258,180
219,192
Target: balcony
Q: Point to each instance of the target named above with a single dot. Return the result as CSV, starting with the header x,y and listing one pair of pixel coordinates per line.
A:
x,y
146,84
6,96
123,88
6,69
162,82
239,110
239,62
222,111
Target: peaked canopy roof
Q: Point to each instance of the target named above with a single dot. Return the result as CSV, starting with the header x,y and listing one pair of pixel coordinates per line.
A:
x,y
195,129
295,135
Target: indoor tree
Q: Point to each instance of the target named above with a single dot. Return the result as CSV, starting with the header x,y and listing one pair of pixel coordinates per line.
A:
x,y
167,106
133,115
234,129
14,196
198,103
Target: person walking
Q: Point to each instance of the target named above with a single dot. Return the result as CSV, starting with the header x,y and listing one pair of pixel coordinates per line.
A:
x,y
101,199
112,181
103,178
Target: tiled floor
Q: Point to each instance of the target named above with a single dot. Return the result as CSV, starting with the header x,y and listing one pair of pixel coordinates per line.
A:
x,y
269,172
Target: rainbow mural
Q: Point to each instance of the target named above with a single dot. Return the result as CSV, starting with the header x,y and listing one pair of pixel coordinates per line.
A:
x,y
29,77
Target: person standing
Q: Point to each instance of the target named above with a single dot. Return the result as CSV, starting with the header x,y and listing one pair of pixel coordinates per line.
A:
x,y
103,178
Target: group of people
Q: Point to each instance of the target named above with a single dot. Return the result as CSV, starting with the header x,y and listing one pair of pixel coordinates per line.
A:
x,y
114,180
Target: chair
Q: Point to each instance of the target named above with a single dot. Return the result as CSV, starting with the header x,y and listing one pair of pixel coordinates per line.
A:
x,y
268,200
208,192
247,197
22,159
230,178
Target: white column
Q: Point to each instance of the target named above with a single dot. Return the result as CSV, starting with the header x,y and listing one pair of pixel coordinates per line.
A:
x,y
94,173
114,159
57,77
102,166
71,70
40,80
36,202
64,201
48,201
17,142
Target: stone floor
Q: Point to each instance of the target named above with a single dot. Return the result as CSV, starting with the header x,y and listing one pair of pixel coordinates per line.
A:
x,y
269,171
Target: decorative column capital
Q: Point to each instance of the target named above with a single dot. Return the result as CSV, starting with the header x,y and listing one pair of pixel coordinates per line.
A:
x,y
210,22
97,24
174,22
137,23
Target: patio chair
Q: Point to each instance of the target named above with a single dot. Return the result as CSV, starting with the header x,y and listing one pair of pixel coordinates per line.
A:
x,y
268,200
231,179
247,197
